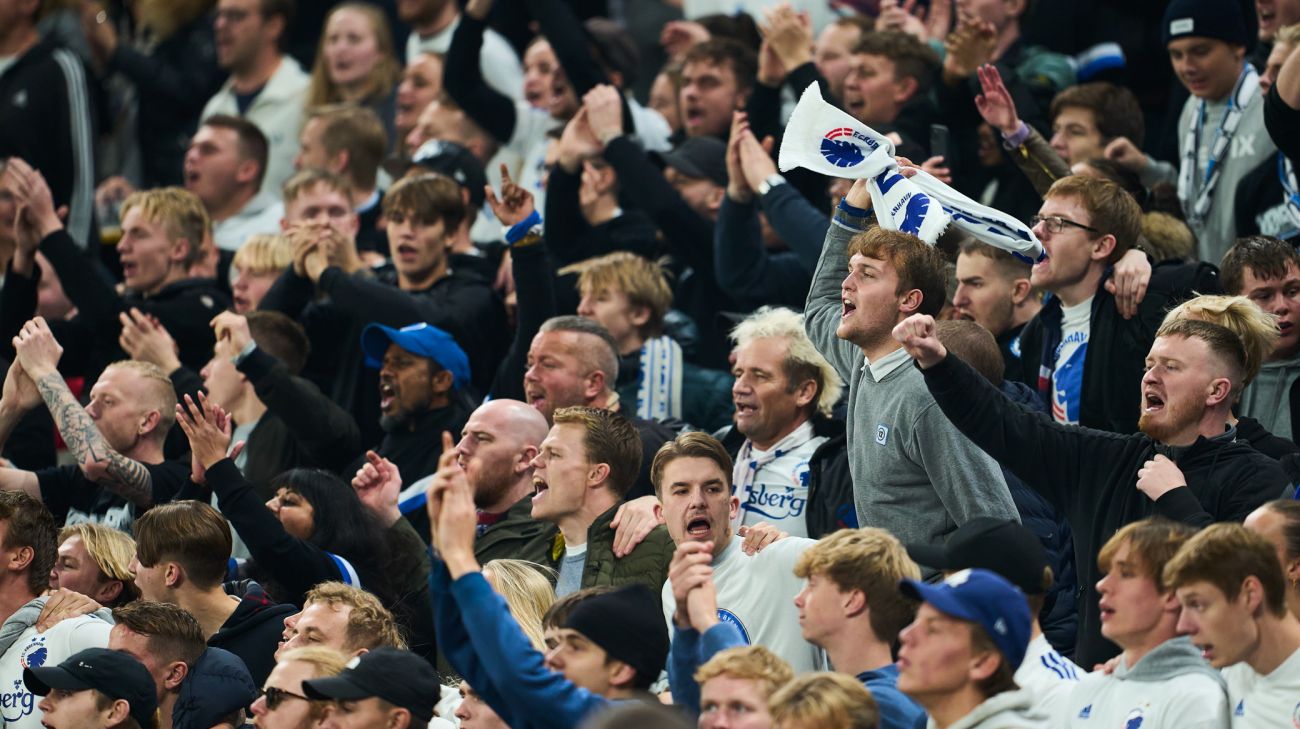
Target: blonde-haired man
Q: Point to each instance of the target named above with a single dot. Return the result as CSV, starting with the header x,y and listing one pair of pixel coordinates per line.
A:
x,y
630,296
740,679
116,439
851,606
823,699
281,703
786,445
1230,584
95,560
342,617
164,235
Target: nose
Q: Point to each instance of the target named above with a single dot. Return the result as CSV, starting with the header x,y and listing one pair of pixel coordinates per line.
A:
x,y
961,296
1103,584
259,707
274,505
799,598
1186,625
133,567
585,308
553,661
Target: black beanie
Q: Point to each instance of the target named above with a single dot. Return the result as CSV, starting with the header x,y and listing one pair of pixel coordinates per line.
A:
x,y
1219,19
630,626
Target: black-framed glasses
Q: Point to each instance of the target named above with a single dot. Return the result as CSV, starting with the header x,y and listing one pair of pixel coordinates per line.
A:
x,y
276,696
1056,224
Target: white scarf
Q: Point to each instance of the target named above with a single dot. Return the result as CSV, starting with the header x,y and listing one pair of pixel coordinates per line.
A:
x,y
826,140
1196,203
659,391
746,466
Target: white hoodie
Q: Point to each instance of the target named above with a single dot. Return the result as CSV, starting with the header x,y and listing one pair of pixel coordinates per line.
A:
x,y
1007,710
1171,687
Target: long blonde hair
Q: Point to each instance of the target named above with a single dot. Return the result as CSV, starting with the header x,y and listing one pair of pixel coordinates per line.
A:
x,y
527,591
383,77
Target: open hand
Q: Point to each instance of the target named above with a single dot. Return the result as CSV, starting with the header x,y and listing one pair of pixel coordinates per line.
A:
x,y
995,103
633,522
208,428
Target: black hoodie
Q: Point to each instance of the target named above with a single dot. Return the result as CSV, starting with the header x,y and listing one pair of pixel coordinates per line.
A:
x,y
253,631
1090,476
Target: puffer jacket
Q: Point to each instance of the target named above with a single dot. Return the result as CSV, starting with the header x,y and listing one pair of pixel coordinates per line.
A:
x,y
217,686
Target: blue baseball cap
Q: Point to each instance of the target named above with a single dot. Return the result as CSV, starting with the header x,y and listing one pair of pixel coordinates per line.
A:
x,y
986,599
424,340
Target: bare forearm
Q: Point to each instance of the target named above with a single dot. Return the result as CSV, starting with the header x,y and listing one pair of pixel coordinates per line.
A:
x,y
124,476
9,419
14,479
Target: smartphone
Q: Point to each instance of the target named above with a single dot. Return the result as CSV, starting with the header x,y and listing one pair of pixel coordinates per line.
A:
x,y
939,141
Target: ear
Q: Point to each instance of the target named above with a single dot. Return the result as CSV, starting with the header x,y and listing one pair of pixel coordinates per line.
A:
x,y
620,674
442,382
176,674
246,172
1020,290
716,193
526,456
985,664
1217,391
173,575
399,719
733,507
180,250
904,88
910,302
595,384
659,509
21,559
1252,593
597,474
1104,246
806,393
1171,602
1015,8
640,315
109,592
118,712
855,602
150,424
340,161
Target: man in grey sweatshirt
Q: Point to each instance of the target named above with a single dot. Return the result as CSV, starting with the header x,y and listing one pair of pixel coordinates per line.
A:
x,y
913,472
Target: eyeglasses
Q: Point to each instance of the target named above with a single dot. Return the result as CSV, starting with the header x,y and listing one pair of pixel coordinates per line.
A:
x,y
275,696
1055,224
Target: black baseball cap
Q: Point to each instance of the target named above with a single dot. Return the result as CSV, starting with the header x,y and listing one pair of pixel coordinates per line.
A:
x,y
399,677
702,157
999,545
456,162
112,673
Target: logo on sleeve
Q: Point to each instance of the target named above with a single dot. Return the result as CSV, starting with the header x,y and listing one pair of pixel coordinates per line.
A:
x,y
1085,712
1134,719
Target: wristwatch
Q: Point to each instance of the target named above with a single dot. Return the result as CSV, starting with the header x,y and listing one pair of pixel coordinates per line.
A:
x,y
770,182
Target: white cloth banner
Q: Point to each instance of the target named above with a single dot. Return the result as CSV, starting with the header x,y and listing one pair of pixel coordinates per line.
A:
x,y
824,139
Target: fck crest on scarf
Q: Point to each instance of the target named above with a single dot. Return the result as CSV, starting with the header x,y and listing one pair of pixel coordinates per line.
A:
x,y
824,139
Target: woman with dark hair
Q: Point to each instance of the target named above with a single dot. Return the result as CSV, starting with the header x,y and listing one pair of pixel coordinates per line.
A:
x,y
313,530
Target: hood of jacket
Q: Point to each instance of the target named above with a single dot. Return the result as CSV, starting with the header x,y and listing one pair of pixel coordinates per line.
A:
x,y
217,685
256,608
1174,657
1007,710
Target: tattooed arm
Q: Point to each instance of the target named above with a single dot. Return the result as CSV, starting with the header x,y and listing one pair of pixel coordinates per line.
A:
x,y
38,353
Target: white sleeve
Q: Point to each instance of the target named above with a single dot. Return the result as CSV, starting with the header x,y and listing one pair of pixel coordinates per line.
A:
x,y
91,633
500,66
1200,704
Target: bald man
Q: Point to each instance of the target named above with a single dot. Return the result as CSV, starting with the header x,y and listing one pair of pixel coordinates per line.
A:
x,y
496,448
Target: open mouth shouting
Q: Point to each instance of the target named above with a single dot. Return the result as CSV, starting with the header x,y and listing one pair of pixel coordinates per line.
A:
x,y
848,309
1152,401
540,487
387,396
699,528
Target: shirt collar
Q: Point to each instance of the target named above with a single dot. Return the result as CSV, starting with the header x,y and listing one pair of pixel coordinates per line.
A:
x,y
885,366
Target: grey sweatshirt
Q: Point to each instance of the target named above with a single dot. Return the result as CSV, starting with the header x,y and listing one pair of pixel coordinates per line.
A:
x,y
913,472
1250,146
1007,710
1268,398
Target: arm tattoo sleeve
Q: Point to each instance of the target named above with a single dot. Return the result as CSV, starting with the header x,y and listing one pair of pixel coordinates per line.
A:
x,y
124,476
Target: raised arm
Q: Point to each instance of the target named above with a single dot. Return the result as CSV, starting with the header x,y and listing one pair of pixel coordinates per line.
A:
x,y
463,77
39,354
825,302
20,398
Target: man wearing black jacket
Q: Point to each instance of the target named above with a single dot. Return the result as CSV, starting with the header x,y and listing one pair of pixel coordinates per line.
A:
x,y
1184,465
47,114
1084,358
162,235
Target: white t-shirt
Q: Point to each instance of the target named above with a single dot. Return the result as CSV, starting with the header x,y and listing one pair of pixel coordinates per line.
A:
x,y
32,650
777,491
756,594
1050,675
1264,701
498,61
1067,382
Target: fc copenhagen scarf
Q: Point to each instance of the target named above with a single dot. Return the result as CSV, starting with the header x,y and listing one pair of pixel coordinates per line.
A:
x,y
659,394
826,140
